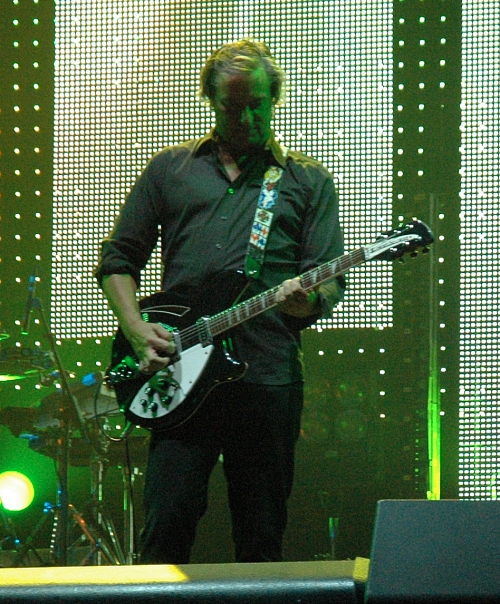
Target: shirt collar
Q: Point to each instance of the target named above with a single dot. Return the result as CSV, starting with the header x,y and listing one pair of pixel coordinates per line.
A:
x,y
277,151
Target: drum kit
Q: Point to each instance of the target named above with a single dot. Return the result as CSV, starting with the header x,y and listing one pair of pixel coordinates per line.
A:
x,y
74,425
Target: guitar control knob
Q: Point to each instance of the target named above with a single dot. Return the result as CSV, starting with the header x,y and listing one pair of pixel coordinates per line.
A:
x,y
165,400
153,407
144,403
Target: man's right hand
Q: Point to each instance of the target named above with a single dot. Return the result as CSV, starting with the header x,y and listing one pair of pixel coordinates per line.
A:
x,y
152,344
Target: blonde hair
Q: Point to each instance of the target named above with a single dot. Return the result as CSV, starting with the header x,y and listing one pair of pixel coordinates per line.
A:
x,y
243,56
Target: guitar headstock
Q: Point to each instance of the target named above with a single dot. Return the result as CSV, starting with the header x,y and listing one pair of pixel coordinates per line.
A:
x,y
405,239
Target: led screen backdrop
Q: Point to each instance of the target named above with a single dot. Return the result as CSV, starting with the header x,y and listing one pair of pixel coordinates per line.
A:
x,y
126,82
479,437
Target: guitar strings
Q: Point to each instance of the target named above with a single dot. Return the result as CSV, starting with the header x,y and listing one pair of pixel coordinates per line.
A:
x,y
265,301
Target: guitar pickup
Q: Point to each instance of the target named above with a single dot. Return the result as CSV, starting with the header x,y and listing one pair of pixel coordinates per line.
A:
x,y
203,329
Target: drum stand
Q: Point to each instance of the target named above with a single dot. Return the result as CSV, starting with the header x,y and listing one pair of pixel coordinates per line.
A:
x,y
129,513
98,532
102,546
21,552
104,542
10,529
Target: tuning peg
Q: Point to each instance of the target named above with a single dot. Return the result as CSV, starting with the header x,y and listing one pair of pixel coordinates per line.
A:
x,y
414,254
401,260
425,250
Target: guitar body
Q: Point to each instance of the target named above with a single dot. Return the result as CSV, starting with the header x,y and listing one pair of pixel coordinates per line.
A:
x,y
171,396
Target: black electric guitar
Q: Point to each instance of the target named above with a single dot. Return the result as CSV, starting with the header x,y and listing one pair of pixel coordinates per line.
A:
x,y
168,398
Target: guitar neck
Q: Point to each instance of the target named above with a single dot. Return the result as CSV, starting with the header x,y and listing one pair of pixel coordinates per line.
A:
x,y
258,304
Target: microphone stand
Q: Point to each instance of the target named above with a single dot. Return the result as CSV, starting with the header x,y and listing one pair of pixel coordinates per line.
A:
x,y
68,404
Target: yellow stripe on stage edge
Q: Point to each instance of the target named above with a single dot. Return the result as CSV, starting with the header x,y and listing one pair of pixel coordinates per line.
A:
x,y
90,575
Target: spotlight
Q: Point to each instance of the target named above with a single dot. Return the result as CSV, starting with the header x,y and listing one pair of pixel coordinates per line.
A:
x,y
16,491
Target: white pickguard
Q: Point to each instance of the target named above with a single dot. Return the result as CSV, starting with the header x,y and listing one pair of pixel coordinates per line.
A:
x,y
184,375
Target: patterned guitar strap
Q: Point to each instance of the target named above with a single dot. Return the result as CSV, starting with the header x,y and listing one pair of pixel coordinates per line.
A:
x,y
263,218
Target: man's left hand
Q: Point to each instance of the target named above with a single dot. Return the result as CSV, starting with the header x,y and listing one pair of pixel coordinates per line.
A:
x,y
293,299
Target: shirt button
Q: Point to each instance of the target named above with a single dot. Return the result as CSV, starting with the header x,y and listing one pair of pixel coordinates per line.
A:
x,y
223,217
218,246
230,190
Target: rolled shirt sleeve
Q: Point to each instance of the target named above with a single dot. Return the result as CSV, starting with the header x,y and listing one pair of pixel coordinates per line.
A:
x,y
128,247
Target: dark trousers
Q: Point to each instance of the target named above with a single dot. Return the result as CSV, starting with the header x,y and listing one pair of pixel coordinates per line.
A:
x,y
255,427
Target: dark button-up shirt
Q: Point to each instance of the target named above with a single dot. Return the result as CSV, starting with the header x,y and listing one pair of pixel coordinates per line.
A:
x,y
204,220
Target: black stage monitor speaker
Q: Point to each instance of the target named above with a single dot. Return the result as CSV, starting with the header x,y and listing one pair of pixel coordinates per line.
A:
x,y
435,551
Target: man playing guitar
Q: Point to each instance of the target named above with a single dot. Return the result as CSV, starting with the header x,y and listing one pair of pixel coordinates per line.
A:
x,y
232,202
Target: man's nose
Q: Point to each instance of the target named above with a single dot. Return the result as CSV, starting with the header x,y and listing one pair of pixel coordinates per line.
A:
x,y
246,116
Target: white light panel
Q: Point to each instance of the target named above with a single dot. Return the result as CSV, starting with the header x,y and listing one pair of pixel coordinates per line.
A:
x,y
479,422
126,86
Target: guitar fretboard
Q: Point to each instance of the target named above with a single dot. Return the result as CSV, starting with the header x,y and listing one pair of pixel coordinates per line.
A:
x,y
389,246
258,304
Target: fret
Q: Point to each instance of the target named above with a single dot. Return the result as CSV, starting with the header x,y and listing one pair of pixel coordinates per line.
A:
x,y
254,306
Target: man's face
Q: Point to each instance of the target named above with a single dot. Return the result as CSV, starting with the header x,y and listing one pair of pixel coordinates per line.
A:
x,y
243,109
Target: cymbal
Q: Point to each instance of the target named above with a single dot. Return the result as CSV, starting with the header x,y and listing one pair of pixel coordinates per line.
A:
x,y
19,363
14,373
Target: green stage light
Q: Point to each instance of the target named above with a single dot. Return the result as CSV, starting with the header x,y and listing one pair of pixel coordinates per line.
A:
x,y
16,491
